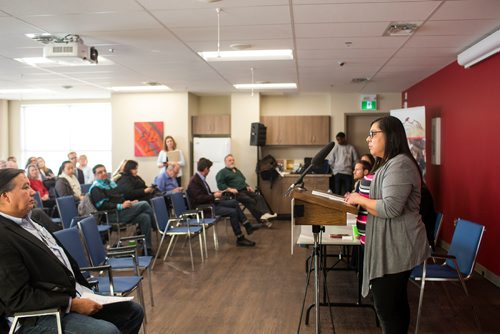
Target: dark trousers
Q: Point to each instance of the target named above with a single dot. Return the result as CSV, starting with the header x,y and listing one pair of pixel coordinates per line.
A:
x,y
231,208
125,318
391,302
251,201
342,183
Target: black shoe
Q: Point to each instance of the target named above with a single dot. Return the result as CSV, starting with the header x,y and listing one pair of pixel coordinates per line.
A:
x,y
244,242
248,228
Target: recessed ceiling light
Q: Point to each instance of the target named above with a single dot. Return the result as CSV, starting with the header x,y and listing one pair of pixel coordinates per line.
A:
x,y
401,28
46,62
285,54
138,89
288,85
209,1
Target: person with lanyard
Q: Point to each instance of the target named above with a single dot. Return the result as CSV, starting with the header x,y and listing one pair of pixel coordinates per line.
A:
x,y
36,272
396,241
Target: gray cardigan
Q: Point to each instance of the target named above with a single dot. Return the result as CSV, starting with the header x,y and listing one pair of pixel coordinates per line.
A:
x,y
395,239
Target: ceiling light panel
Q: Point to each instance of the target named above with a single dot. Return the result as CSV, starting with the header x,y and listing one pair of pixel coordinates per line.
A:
x,y
247,55
264,86
140,89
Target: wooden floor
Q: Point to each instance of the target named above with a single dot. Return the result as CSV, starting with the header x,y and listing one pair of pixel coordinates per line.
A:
x,y
260,290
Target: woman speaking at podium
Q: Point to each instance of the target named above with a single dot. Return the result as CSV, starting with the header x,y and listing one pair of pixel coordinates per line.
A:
x,y
396,241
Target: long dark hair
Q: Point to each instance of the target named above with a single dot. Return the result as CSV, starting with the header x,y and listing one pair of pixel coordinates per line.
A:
x,y
395,141
129,165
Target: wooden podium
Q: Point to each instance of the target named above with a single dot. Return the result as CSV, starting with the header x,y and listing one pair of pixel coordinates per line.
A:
x,y
320,210
317,211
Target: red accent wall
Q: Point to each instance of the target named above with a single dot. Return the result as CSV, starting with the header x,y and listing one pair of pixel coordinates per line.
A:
x,y
467,183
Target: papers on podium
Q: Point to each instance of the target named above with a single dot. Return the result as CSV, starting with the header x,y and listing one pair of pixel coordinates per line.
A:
x,y
103,300
329,196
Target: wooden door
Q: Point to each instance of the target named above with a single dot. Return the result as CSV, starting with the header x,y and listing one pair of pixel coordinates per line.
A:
x,y
357,127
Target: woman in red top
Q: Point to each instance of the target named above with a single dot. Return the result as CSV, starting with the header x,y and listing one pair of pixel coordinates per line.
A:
x,y
37,185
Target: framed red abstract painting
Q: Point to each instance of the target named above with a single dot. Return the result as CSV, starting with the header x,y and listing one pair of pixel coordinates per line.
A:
x,y
148,138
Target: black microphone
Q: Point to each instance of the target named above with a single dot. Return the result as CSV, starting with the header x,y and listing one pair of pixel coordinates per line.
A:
x,y
317,161
319,158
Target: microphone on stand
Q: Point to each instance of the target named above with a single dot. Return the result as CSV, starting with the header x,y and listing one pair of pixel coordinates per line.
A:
x,y
317,161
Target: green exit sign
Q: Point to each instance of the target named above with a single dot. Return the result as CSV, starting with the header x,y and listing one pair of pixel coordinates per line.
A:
x,y
368,105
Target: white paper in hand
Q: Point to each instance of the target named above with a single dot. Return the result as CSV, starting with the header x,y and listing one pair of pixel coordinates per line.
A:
x,y
103,300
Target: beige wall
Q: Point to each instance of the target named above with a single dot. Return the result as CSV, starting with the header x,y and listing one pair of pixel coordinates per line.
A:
x,y
342,103
244,112
176,109
170,108
303,104
214,105
4,129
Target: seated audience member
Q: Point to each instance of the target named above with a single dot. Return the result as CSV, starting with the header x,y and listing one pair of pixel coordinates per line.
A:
x,y
105,195
428,213
38,273
117,174
30,161
12,158
77,171
361,169
199,193
45,172
11,164
67,183
167,182
88,176
171,156
37,185
231,179
368,157
131,185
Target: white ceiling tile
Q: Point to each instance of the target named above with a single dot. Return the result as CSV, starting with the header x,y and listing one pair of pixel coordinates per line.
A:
x,y
468,9
428,52
57,7
353,29
357,43
241,33
364,12
457,27
192,4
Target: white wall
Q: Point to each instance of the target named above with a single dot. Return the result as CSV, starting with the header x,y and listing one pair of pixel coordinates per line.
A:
x,y
244,112
169,108
209,105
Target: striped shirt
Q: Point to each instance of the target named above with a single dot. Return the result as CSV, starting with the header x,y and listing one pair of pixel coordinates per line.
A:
x,y
364,190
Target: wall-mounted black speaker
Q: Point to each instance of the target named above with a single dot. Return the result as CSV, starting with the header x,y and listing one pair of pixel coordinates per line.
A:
x,y
258,134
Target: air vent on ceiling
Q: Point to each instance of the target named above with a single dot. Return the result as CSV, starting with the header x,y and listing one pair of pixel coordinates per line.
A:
x,y
359,80
401,29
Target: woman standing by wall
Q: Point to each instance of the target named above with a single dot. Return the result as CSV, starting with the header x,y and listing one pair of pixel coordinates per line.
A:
x,y
171,156
395,234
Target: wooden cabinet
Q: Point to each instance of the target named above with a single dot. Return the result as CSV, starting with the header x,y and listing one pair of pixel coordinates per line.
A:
x,y
297,130
211,125
274,194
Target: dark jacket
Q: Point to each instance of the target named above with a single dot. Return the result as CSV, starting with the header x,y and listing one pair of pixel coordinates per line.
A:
x,y
198,193
132,187
106,199
63,188
31,276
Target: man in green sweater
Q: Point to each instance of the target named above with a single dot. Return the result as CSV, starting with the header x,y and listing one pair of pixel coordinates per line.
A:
x,y
231,179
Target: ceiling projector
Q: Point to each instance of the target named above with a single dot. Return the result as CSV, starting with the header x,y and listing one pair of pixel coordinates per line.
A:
x,y
72,52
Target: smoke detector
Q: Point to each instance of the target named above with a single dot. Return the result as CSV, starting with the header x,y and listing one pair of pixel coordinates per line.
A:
x,y
359,80
401,28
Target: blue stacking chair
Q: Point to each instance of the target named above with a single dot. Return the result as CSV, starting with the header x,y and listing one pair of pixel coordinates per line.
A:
x,y
165,227
39,313
85,187
437,227
195,217
99,256
68,212
458,264
49,212
106,285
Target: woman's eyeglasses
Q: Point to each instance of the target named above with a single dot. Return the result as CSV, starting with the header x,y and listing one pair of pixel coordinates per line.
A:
x,y
372,134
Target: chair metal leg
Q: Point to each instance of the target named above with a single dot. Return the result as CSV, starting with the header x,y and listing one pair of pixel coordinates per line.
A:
x,y
159,249
150,287
201,248
190,251
168,248
205,240
421,297
216,240
140,292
